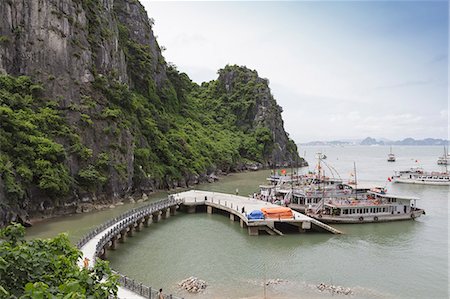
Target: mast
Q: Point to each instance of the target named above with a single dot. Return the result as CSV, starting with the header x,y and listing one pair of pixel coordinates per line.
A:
x,y
274,167
292,181
356,180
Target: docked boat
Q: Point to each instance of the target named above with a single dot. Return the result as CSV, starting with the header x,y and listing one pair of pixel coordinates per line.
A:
x,y
419,176
391,156
445,159
309,198
378,206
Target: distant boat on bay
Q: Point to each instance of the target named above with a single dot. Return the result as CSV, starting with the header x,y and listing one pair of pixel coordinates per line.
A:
x,y
445,159
391,156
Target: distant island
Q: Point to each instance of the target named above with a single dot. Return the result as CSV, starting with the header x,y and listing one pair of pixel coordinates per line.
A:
x,y
373,141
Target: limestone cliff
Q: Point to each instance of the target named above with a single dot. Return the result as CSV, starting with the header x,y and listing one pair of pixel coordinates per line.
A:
x,y
256,107
124,121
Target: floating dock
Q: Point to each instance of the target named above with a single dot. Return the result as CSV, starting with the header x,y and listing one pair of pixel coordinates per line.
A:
x,y
237,207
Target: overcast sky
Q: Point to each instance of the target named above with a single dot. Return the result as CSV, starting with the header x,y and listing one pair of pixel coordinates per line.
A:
x,y
339,69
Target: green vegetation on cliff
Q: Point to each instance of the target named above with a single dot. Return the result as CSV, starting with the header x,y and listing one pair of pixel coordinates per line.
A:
x,y
48,269
30,153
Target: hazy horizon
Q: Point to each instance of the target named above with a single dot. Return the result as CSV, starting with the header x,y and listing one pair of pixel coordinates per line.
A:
x,y
339,70
376,138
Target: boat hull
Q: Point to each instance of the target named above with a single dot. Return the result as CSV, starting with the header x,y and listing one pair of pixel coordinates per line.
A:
x,y
369,218
297,207
421,182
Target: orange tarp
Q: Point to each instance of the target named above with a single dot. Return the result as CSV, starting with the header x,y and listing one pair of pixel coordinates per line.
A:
x,y
277,213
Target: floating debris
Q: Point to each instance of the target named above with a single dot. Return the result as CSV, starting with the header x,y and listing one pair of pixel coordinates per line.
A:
x,y
193,284
275,281
334,289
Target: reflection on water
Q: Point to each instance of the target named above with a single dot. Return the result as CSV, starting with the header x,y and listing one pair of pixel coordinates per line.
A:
x,y
406,259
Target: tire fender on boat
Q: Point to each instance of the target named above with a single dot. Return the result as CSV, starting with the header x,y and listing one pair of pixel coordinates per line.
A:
x,y
375,219
320,215
361,218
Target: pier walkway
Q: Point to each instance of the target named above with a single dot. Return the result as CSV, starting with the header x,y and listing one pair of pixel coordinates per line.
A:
x,y
106,236
238,206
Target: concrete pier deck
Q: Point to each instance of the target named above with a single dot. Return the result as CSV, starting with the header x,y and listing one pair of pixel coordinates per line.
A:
x,y
238,206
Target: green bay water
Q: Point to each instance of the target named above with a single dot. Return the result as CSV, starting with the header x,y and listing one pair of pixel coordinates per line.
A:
x,y
407,259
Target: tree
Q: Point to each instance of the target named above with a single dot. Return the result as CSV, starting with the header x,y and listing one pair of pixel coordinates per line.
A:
x,y
48,269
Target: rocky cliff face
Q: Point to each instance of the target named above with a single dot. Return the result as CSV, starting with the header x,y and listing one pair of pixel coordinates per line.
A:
x,y
128,124
259,109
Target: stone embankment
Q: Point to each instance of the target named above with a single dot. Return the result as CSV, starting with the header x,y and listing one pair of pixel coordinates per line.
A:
x,y
193,284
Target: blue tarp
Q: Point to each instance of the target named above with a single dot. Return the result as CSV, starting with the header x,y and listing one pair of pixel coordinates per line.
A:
x,y
256,214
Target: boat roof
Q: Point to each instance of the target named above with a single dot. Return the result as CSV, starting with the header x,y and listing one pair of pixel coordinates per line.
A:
x,y
387,195
266,186
362,185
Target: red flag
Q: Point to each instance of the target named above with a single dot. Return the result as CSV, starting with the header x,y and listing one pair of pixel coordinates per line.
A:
x,y
389,179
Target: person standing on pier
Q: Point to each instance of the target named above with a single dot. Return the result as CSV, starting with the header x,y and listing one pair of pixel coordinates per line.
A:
x,y
86,263
160,294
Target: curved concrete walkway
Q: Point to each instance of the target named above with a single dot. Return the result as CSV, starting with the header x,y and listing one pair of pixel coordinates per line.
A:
x,y
96,242
89,251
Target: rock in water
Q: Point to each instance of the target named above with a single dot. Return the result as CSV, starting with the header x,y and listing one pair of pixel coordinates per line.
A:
x,y
193,284
334,289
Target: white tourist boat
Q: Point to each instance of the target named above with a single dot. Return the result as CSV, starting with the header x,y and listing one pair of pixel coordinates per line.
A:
x,y
391,156
445,159
378,206
419,176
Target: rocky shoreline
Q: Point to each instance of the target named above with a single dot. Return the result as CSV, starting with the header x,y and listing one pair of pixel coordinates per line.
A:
x,y
90,204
